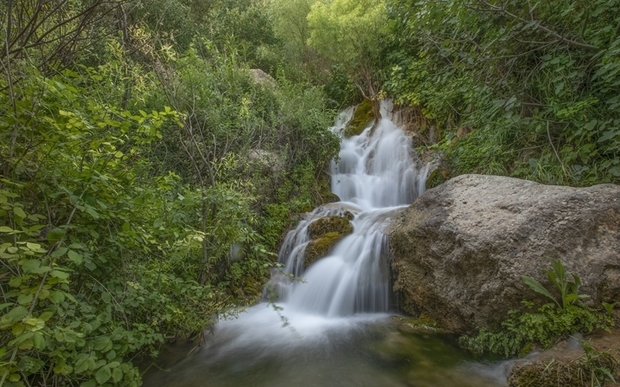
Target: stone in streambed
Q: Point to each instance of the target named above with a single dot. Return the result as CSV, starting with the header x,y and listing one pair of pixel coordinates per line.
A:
x,y
460,250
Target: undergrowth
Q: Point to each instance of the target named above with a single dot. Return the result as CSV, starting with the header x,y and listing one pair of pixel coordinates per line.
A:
x,y
545,325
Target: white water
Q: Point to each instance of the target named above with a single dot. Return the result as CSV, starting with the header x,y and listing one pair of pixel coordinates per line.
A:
x,y
323,330
374,175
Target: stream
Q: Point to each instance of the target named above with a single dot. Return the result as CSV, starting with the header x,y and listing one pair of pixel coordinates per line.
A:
x,y
332,323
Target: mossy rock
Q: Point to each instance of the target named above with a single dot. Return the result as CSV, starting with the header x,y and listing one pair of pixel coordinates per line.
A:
x,y
362,117
330,224
319,248
323,193
577,373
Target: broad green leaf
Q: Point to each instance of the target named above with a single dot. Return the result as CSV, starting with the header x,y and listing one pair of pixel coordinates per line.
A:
x,y
45,316
38,341
103,375
34,247
75,257
117,375
55,235
90,383
31,265
19,212
5,229
63,369
59,252
25,299
59,274
57,296
538,288
14,315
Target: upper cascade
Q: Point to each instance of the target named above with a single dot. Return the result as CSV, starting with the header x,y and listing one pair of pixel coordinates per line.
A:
x,y
377,169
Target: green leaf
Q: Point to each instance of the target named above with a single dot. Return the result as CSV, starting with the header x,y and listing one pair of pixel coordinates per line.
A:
x,y
103,375
38,341
570,298
5,229
538,288
31,265
90,383
24,299
117,375
60,252
75,257
57,296
45,316
59,274
17,313
63,369
19,212
55,235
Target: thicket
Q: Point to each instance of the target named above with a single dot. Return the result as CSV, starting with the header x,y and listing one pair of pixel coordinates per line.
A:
x,y
145,178
535,82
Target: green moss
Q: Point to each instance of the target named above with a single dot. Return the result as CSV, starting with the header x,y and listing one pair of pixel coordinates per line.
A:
x,y
319,248
330,224
323,193
363,116
422,324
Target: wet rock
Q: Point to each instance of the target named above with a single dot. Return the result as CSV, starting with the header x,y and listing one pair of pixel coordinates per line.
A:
x,y
460,250
363,116
331,224
325,233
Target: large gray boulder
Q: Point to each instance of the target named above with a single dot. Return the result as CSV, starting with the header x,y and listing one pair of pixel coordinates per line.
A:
x,y
460,249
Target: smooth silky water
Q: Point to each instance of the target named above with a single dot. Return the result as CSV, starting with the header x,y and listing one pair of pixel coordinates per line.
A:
x,y
333,327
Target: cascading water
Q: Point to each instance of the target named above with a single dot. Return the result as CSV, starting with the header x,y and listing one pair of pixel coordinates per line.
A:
x,y
340,300
374,174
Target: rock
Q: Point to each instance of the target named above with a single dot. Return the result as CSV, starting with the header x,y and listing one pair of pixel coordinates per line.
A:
x,y
263,78
325,233
331,224
568,365
460,249
362,118
318,248
265,160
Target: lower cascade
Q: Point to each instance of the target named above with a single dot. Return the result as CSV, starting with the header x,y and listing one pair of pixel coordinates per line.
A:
x,y
318,319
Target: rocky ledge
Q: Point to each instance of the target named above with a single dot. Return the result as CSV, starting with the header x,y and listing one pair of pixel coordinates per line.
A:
x,y
460,249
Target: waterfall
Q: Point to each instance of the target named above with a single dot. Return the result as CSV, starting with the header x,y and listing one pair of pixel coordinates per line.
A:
x,y
375,174
325,324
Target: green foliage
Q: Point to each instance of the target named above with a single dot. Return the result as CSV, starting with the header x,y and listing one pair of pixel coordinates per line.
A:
x,y
533,81
145,179
350,33
545,326
569,290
